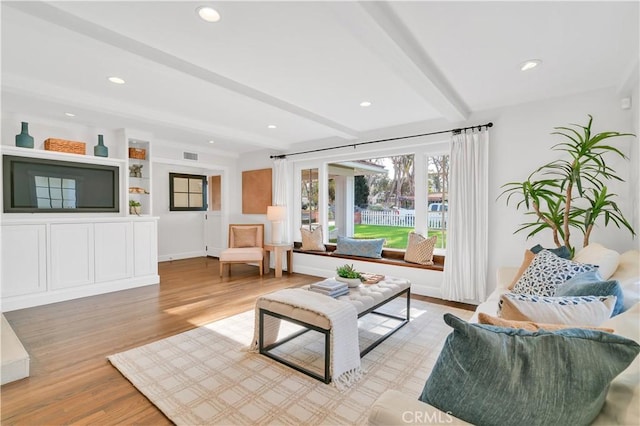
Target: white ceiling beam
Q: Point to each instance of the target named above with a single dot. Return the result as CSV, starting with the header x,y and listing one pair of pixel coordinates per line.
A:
x,y
93,30
427,80
65,96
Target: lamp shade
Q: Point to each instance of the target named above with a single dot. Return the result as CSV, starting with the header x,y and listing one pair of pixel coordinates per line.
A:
x,y
276,213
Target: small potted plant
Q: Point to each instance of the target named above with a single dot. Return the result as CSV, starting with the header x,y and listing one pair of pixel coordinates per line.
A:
x,y
135,207
347,274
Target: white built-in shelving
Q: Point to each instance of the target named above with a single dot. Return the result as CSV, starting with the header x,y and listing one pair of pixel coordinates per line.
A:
x,y
139,175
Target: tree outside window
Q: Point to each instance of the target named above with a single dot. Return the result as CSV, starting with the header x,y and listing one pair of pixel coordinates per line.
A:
x,y
309,198
437,197
376,198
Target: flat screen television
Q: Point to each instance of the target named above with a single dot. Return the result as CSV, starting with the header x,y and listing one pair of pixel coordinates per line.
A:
x,y
37,185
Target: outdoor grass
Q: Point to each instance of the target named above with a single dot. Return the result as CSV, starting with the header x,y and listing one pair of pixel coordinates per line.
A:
x,y
396,236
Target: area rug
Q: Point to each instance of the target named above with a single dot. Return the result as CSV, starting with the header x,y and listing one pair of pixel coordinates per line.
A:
x,y
204,377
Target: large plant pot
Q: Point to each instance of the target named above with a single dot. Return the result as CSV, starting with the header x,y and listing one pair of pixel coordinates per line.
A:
x,y
351,282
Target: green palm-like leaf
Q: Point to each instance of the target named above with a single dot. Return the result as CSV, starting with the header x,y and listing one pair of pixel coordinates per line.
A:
x,y
549,192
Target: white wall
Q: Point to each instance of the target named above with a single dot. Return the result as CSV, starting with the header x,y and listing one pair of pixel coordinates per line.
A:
x,y
254,161
180,234
634,187
520,141
183,234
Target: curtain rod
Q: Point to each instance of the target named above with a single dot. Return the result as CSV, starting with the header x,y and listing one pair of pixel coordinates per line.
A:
x,y
454,131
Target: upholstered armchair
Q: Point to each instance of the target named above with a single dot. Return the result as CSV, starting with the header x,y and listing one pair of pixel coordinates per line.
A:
x,y
246,243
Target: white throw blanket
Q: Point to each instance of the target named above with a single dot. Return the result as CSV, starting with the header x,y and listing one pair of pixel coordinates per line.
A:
x,y
345,367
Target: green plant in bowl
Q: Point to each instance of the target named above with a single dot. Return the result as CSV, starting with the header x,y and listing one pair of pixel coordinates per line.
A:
x,y
348,271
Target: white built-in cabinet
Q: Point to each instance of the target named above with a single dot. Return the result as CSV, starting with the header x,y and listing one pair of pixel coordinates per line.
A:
x,y
114,255
72,255
51,257
24,260
145,259
61,259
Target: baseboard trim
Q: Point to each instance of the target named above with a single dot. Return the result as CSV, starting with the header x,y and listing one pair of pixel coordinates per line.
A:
x,y
178,256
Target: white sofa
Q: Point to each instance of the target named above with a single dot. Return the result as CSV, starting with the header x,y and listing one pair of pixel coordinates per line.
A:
x,y
622,406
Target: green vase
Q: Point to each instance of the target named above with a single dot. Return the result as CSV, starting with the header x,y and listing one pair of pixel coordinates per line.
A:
x,y
100,150
24,139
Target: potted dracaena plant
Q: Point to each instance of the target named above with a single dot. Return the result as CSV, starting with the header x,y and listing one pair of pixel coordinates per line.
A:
x,y
571,193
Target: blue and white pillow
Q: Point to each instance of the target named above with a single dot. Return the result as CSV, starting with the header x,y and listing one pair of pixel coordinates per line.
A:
x,y
585,311
546,272
363,248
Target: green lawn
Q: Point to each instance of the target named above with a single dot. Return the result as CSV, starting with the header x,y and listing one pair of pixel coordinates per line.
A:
x,y
396,236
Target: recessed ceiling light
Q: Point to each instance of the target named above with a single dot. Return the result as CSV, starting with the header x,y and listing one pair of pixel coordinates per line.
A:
x,y
69,114
530,64
212,141
272,126
208,13
365,104
116,80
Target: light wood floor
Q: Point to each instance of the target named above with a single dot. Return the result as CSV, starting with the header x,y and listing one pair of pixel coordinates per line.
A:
x,y
72,382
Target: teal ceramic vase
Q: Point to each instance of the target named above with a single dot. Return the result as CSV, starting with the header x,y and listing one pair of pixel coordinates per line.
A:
x,y
100,150
24,139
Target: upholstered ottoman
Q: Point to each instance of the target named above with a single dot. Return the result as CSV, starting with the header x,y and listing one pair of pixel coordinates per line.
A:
x,y
329,316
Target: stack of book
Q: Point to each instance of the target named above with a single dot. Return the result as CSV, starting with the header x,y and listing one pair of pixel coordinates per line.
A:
x,y
330,287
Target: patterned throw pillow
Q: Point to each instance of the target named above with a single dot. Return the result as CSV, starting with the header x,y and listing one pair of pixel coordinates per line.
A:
x,y
363,248
503,376
546,272
420,249
312,239
586,311
244,237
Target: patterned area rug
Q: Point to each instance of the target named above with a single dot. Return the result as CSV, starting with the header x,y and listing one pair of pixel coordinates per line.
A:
x,y
203,376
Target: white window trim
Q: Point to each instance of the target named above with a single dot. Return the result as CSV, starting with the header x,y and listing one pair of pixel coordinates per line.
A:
x,y
420,150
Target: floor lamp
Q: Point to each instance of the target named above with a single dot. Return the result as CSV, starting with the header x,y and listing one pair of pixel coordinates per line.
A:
x,y
276,214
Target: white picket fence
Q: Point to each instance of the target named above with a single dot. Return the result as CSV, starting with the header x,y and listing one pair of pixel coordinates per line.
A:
x,y
406,219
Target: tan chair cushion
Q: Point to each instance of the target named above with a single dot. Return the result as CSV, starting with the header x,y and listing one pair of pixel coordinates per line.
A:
x,y
249,254
245,237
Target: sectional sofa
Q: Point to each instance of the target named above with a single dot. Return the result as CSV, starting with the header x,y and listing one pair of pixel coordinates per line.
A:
x,y
622,403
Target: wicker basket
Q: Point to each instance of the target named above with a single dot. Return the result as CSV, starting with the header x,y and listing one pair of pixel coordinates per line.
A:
x,y
62,145
137,153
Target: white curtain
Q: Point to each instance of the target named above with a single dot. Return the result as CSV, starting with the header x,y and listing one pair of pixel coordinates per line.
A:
x,y
465,270
281,192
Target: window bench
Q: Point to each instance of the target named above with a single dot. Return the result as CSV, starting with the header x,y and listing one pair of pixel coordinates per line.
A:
x,y
389,257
